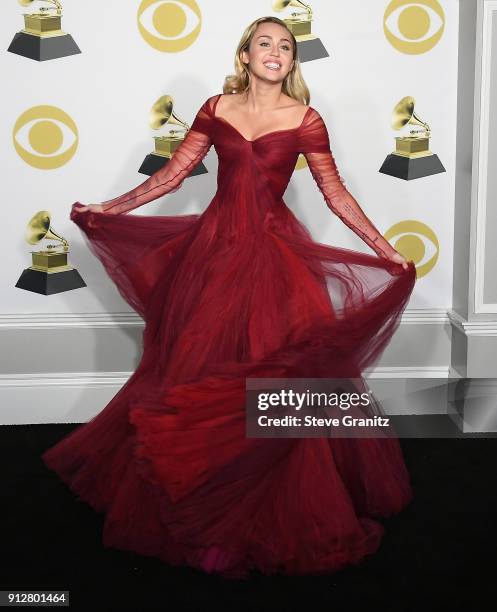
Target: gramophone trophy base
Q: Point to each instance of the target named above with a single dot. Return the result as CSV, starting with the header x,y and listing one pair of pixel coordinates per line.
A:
x,y
48,283
409,168
42,48
154,162
310,48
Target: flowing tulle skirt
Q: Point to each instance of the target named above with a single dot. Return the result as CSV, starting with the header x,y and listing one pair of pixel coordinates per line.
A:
x,y
168,460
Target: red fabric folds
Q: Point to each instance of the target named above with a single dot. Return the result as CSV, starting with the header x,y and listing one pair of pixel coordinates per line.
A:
x,y
239,291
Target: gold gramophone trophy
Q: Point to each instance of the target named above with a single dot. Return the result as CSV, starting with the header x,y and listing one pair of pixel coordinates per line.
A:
x,y
309,46
412,157
42,38
49,272
161,114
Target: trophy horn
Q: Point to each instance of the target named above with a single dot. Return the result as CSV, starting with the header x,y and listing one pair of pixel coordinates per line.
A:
x,y
39,228
57,5
279,5
404,114
162,113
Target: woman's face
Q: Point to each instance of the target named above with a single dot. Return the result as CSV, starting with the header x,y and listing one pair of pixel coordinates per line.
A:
x,y
270,54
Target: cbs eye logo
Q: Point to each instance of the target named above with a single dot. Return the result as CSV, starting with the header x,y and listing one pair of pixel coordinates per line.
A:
x,y
412,245
169,25
414,27
45,137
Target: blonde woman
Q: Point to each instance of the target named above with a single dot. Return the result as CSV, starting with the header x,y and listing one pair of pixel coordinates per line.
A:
x,y
238,292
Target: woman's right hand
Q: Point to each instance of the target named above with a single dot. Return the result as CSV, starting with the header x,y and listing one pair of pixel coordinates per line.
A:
x,y
92,208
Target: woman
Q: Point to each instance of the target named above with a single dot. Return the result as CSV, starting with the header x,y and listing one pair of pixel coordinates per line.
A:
x,y
241,291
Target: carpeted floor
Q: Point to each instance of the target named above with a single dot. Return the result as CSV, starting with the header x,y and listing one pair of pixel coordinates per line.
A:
x,y
439,554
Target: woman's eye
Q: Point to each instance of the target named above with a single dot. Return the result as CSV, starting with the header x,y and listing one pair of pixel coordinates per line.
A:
x,y
286,47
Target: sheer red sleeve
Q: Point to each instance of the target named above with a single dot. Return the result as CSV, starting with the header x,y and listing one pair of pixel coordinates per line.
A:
x,y
169,179
314,144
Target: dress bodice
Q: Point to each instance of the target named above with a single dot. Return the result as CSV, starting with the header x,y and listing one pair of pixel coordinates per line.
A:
x,y
254,174
271,155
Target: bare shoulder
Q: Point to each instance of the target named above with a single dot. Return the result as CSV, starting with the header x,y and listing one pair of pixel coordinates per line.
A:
x,y
227,100
294,108
211,100
290,107
291,102
314,114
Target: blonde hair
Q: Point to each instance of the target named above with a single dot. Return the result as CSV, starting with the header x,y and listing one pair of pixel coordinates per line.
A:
x,y
293,85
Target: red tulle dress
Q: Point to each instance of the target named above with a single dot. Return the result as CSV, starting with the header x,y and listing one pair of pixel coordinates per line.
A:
x,y
239,291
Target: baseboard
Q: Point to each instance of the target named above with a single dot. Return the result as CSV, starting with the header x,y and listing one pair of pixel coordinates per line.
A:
x,y
58,320
76,397
110,344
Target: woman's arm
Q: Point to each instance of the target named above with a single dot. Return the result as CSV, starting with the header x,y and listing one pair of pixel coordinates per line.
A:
x,y
166,180
324,171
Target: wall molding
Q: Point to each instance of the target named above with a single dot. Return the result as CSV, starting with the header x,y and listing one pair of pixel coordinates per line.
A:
x,y
472,328
76,397
97,320
62,320
93,379
482,89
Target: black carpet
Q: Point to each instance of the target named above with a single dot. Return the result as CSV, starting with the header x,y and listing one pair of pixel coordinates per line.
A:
x,y
438,554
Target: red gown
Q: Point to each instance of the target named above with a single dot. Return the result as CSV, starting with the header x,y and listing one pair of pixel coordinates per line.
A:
x,y
239,291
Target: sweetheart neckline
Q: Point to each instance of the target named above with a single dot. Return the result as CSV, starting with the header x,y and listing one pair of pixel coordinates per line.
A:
x,y
267,133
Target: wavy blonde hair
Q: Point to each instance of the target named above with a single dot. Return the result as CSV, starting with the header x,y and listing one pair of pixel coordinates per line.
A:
x,y
293,85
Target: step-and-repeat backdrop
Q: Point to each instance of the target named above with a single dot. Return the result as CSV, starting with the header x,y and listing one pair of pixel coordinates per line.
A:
x,y
80,77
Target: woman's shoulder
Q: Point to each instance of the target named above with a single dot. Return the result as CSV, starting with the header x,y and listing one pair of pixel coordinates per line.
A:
x,y
233,98
211,101
312,116
238,98
306,112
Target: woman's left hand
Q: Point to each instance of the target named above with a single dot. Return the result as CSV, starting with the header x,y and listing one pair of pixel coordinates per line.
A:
x,y
400,259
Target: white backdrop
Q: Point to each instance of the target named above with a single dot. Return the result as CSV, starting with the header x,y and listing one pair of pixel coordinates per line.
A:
x,y
109,89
